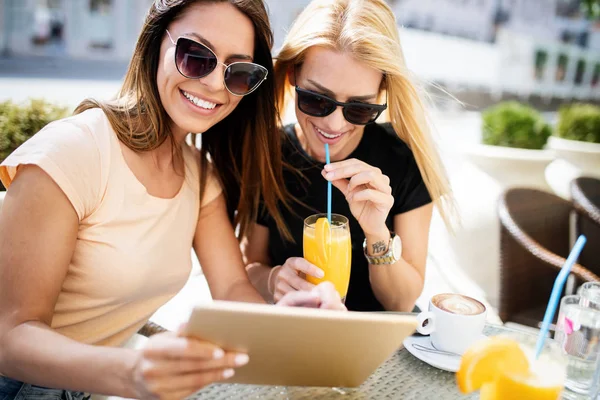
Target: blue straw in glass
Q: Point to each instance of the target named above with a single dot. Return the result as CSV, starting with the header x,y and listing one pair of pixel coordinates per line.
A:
x,y
327,161
559,283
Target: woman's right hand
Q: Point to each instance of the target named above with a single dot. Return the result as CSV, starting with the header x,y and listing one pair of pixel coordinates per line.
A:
x,y
286,278
173,367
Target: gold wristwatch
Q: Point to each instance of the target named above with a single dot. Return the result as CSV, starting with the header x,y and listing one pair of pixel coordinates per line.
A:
x,y
393,254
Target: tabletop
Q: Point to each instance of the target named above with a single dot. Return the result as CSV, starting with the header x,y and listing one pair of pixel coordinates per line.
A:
x,y
402,376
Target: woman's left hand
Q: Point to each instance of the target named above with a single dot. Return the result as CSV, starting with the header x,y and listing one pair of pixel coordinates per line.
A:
x,y
367,191
322,296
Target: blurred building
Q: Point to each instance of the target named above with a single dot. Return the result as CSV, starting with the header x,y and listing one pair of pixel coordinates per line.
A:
x,y
71,28
282,13
95,28
473,19
550,20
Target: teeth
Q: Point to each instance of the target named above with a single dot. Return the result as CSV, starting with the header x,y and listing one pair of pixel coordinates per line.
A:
x,y
327,135
199,102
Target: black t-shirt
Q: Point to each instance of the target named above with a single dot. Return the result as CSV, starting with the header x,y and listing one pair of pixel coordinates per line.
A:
x,y
379,147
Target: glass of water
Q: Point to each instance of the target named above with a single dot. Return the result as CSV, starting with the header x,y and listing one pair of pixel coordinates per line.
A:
x,y
590,295
578,335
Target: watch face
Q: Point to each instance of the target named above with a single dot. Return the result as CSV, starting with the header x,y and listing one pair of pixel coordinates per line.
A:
x,y
396,247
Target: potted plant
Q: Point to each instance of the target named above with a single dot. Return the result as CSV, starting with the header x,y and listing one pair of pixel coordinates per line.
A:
x,y
513,137
577,136
19,122
576,144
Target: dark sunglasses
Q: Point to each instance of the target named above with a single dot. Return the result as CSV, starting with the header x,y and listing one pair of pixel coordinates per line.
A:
x,y
194,61
318,105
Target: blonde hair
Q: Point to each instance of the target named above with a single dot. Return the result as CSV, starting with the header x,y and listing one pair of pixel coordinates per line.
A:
x,y
367,30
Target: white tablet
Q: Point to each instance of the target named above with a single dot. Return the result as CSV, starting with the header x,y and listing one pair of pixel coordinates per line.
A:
x,y
292,346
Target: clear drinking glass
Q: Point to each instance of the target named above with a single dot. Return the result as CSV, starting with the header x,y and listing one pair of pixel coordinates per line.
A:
x,y
590,295
545,380
329,249
578,335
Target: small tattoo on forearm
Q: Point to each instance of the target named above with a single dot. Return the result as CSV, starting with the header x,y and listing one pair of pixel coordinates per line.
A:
x,y
379,247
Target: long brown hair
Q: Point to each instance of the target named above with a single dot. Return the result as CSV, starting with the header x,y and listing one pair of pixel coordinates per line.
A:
x,y
367,30
244,147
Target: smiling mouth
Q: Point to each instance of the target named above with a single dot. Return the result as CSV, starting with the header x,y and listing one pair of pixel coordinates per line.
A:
x,y
328,135
207,105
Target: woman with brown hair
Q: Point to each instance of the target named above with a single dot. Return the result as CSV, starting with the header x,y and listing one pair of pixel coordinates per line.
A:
x,y
103,208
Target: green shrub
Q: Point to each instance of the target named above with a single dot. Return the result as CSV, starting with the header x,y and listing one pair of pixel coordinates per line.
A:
x,y
579,122
512,124
19,122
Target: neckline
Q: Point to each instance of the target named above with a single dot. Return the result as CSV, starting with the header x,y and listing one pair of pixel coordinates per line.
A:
x,y
140,185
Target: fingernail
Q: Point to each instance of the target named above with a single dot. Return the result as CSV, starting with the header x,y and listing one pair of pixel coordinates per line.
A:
x,y
228,373
241,359
320,274
329,175
218,354
328,167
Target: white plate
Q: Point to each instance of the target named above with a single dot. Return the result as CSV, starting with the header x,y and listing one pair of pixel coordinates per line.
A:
x,y
421,347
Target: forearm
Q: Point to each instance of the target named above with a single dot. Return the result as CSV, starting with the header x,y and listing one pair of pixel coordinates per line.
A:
x,y
259,274
244,291
397,286
34,353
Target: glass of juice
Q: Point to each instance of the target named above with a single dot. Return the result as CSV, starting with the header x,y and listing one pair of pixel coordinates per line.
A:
x,y
544,381
329,248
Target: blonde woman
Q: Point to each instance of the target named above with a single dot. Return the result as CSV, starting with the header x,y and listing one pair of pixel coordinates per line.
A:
x,y
342,65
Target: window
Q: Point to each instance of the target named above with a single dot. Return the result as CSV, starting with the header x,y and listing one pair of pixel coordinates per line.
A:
x,y
541,60
561,67
596,75
100,6
579,72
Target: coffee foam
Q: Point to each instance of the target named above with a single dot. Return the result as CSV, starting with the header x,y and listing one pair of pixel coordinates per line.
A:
x,y
458,304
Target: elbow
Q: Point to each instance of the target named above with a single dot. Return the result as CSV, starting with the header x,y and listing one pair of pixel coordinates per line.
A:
x,y
404,300
401,305
7,350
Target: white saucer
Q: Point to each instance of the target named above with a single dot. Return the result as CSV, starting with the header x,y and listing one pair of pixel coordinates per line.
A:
x,y
416,345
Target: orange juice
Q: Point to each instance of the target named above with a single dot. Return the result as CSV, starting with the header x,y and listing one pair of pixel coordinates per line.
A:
x,y
329,248
504,368
544,381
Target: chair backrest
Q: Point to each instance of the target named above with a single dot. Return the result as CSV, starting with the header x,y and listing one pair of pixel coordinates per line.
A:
x,y
543,216
534,225
586,198
586,195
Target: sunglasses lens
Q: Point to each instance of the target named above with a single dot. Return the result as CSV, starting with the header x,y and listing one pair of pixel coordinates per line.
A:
x,y
194,60
242,78
315,105
360,115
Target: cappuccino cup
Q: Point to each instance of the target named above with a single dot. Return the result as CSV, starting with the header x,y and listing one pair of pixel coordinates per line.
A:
x,y
454,322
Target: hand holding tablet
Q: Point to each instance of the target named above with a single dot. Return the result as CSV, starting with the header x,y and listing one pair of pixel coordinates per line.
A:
x,y
300,346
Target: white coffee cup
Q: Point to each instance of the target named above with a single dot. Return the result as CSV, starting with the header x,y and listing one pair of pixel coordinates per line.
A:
x,y
454,322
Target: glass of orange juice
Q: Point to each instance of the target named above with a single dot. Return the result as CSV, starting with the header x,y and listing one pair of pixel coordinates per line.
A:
x,y
329,248
504,367
546,376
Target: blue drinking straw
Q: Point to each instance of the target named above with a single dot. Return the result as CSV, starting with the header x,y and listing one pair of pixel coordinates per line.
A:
x,y
559,283
327,161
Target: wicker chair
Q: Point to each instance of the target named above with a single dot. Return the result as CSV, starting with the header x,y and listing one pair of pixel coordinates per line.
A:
x,y
586,198
534,242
